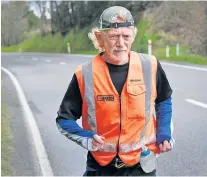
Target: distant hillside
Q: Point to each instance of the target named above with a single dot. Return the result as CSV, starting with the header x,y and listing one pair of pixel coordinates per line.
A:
x,y
80,44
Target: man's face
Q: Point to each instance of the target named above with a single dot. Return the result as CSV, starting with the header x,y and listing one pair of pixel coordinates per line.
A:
x,y
117,44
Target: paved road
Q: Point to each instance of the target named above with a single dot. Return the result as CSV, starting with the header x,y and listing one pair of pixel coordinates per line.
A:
x,y
44,79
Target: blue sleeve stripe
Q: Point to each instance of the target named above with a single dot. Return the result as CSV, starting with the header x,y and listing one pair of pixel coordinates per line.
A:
x,y
72,127
164,120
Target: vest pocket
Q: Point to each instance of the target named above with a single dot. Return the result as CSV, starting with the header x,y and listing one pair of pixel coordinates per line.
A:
x,y
136,101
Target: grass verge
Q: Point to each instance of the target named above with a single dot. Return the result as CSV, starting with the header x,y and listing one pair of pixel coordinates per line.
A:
x,y
6,143
189,59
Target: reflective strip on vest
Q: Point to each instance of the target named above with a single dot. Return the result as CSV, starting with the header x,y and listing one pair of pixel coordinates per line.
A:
x,y
147,74
89,95
87,72
106,147
124,148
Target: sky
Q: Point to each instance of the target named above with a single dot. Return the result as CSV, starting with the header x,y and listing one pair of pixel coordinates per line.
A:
x,y
36,10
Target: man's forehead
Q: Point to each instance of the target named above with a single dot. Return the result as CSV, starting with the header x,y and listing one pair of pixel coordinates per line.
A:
x,y
120,30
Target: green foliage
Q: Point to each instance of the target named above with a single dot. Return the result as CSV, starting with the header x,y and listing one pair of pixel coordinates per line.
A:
x,y
54,44
190,59
79,41
184,51
13,48
143,35
49,43
32,20
140,42
80,44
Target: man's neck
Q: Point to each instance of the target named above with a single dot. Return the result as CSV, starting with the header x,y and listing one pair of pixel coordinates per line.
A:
x,y
122,62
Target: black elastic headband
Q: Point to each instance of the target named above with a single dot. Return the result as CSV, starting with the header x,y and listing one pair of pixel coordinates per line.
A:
x,y
118,25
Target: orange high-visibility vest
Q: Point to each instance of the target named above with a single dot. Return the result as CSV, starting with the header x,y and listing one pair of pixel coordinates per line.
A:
x,y
126,121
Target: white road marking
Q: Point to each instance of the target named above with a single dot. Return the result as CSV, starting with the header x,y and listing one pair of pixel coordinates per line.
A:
x,y
63,63
197,103
183,66
48,61
34,59
30,120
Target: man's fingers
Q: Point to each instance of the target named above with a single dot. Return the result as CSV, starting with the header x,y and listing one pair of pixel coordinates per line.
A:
x,y
160,146
165,146
94,143
95,148
98,142
99,139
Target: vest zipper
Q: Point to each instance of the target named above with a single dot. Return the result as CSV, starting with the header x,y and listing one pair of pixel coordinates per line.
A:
x,y
120,122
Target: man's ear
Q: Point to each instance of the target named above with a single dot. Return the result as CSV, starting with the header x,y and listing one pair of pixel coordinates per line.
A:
x,y
99,38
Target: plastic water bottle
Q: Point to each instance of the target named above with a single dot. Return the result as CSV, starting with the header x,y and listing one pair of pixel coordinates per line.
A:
x,y
147,160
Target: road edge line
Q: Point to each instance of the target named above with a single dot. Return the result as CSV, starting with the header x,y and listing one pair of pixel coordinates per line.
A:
x,y
30,120
197,103
184,66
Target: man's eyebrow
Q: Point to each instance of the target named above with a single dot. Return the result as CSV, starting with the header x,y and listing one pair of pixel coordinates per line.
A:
x,y
117,33
113,33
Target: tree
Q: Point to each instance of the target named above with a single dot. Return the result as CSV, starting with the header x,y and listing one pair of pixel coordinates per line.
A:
x,y
41,7
32,21
13,22
188,20
67,15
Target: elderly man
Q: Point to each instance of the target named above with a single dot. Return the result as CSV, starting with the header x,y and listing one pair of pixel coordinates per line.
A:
x,y
116,93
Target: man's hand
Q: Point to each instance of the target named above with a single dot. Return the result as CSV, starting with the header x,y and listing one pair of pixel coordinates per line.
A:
x,y
165,146
97,142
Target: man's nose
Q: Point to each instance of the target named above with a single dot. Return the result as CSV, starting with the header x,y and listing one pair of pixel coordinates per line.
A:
x,y
120,41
